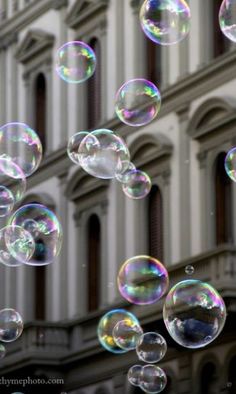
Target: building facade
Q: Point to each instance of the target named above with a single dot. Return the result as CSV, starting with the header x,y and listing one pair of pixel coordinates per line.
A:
x,y
188,218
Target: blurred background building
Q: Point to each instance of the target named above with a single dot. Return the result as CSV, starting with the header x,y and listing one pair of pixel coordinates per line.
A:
x,y
188,218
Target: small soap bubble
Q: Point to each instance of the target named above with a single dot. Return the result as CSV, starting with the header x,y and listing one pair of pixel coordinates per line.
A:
x,y
126,334
75,62
151,347
230,164
153,379
74,144
11,325
123,175
137,184
12,176
134,375
189,270
227,19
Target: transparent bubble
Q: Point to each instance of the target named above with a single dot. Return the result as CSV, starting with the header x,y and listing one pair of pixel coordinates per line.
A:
x,y
45,229
75,62
19,243
103,154
22,145
13,183
142,280
6,201
151,347
194,313
189,270
121,176
230,164
227,19
137,184
2,351
137,102
106,326
126,334
165,22
11,325
74,144
153,379
134,375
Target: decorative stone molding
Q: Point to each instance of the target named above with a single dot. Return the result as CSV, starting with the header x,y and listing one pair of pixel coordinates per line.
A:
x,y
202,157
84,10
8,40
35,42
58,4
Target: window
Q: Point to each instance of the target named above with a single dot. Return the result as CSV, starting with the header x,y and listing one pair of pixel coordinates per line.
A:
x,y
94,89
223,197
153,56
209,384
41,108
155,223
232,377
94,256
220,42
40,282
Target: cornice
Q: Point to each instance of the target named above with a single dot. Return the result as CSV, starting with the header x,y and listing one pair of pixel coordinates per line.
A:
x,y
58,4
85,10
35,42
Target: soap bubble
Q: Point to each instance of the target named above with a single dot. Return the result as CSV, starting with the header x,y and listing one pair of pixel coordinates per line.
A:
x,y
126,334
11,325
189,270
6,201
75,62
134,375
22,145
165,22
137,102
103,154
2,351
107,324
121,176
137,184
17,246
142,280
151,347
74,144
45,229
230,164
227,19
153,379
194,313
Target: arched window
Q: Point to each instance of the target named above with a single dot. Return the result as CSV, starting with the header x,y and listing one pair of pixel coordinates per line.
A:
x,y
94,89
155,223
40,282
153,62
209,383
94,257
220,43
232,377
223,202
41,108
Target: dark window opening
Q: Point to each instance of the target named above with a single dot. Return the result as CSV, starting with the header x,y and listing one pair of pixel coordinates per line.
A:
x,y
155,224
94,256
153,63
40,282
231,384
94,89
209,382
220,42
41,108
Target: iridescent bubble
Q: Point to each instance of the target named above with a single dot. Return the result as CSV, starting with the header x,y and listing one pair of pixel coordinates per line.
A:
x,y
74,144
19,243
75,62
126,334
122,175
103,154
165,22
22,145
189,270
2,351
151,347
11,325
142,280
153,379
134,375
227,19
137,184
45,229
230,164
13,183
106,326
6,201
194,313
137,102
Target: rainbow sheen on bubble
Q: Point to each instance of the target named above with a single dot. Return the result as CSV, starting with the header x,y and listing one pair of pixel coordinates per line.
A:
x,y
107,324
153,379
134,375
122,174
165,22
142,280
137,184
227,19
11,325
74,144
13,184
194,313
22,145
45,228
151,347
126,334
6,201
137,102
102,154
230,164
75,62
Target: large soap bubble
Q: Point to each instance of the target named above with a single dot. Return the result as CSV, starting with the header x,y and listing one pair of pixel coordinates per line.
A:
x,y
165,22
22,145
194,313
11,325
45,229
153,379
126,334
74,144
107,324
151,347
142,280
103,154
227,19
137,102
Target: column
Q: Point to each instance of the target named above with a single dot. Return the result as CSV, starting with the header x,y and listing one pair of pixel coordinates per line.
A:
x,y
104,253
166,217
202,157
138,43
